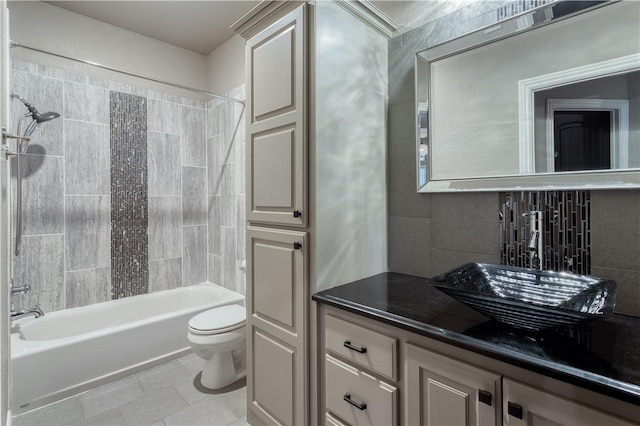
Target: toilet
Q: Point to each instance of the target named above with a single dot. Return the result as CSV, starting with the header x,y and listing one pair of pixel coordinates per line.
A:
x,y
214,335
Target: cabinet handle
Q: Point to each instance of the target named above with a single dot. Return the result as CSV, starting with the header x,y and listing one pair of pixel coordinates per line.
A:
x,y
360,406
297,213
361,350
515,410
484,397
297,246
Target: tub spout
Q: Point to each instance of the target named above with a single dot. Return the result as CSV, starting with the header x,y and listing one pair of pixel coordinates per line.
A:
x,y
36,311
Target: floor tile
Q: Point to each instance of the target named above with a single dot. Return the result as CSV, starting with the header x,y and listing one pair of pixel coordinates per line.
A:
x,y
64,412
169,394
206,412
152,406
110,396
193,362
164,375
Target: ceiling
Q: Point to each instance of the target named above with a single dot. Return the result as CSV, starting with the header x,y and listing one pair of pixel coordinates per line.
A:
x,y
200,26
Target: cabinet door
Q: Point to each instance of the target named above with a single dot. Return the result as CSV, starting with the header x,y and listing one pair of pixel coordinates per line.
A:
x,y
276,312
276,129
524,405
441,391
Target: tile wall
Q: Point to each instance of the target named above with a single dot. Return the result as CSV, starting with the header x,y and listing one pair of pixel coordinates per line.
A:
x,y
66,249
226,186
432,233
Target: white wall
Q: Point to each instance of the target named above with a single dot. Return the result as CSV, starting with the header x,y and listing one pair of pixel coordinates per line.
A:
x,y
225,66
52,28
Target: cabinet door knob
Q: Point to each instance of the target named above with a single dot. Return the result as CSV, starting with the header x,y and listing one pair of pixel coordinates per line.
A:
x,y
361,350
297,213
515,410
360,406
485,397
297,246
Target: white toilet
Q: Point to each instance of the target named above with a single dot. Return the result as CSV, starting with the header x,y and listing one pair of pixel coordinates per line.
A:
x,y
214,335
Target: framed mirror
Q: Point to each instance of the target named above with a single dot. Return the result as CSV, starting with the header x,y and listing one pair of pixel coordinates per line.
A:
x,y
546,99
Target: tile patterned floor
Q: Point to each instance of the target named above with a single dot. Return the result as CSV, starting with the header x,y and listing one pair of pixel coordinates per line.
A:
x,y
166,395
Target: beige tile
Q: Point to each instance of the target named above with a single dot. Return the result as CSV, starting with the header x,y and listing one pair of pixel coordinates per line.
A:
x,y
466,222
615,229
409,243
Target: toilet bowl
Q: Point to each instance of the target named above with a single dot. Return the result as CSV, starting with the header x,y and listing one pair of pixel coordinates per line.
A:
x,y
214,335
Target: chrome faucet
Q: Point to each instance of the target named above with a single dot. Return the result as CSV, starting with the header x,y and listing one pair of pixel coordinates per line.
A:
x,y
535,246
20,290
36,311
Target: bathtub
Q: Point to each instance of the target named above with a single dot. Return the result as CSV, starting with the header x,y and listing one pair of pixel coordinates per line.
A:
x,y
70,351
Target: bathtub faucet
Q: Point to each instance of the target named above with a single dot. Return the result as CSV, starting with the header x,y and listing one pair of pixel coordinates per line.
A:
x,y
20,290
36,311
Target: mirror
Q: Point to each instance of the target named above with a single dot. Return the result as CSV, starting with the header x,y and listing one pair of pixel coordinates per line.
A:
x,y
547,99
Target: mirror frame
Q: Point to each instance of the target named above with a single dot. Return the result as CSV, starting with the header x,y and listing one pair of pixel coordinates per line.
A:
x,y
585,180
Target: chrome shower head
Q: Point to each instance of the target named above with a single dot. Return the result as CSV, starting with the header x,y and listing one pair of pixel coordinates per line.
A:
x,y
36,115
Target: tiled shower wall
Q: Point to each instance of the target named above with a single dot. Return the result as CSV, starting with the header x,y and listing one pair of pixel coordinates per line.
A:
x,y
432,233
66,253
226,199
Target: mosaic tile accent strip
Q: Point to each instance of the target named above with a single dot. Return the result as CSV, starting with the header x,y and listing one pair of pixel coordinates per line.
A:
x,y
129,196
519,6
565,232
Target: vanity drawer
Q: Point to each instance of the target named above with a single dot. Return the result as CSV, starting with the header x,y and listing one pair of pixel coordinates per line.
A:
x,y
329,420
361,346
357,397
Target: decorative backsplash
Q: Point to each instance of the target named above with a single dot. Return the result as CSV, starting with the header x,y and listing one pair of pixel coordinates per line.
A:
x,y
564,234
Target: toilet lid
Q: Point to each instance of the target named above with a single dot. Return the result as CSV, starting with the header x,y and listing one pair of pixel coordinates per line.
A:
x,y
219,319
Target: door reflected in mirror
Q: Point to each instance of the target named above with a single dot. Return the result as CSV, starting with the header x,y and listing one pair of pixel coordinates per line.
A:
x,y
545,106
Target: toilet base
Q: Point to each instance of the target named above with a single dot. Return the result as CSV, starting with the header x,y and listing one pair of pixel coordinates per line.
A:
x,y
219,371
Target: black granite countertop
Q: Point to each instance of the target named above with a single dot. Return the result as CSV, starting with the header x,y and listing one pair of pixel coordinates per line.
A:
x,y
603,356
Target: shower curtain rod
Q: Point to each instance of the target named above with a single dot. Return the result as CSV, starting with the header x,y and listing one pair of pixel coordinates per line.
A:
x,y
155,80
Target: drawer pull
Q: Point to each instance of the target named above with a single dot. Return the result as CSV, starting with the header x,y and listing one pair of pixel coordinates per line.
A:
x,y
484,397
360,406
515,410
361,350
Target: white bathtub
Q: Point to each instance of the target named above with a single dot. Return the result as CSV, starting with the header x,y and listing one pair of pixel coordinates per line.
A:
x,y
67,352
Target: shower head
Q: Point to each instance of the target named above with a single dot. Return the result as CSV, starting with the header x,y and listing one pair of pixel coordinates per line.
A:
x,y
37,116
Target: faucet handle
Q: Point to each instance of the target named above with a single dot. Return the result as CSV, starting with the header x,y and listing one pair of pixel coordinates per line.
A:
x,y
20,290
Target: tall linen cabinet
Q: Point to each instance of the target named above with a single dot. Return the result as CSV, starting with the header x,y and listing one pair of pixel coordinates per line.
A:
x,y
316,79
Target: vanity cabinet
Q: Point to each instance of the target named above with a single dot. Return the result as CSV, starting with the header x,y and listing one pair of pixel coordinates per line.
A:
x,y
354,360
524,405
443,391
433,383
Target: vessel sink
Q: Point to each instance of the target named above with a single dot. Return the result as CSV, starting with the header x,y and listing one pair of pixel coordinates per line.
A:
x,y
529,299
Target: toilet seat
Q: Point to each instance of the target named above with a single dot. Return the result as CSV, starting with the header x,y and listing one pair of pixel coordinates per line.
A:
x,y
218,320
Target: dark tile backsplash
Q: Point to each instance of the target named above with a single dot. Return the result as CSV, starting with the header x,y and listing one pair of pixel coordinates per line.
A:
x,y
565,234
